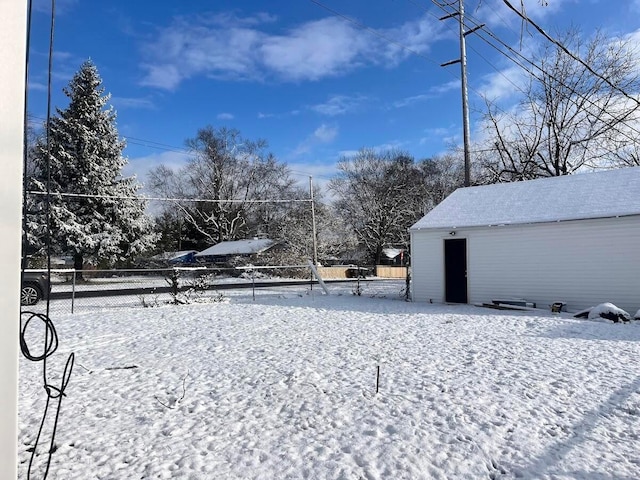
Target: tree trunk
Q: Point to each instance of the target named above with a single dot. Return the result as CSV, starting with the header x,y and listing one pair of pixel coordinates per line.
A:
x,y
378,256
78,262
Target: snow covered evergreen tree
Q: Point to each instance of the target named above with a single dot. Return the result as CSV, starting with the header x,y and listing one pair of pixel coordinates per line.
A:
x,y
94,211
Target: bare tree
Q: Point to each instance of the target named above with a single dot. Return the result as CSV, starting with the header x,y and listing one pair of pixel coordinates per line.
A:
x,y
568,118
293,224
380,195
217,192
442,174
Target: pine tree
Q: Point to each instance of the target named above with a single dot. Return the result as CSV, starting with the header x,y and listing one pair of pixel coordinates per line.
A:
x,y
94,211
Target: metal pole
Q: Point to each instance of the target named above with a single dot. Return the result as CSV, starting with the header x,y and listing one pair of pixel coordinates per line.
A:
x,y
465,97
73,290
313,222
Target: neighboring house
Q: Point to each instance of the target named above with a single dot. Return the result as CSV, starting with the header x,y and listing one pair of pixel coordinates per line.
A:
x,y
393,256
183,257
224,251
572,239
173,258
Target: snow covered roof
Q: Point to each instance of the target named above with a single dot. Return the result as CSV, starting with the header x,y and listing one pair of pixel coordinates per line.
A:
x,y
602,194
172,255
392,252
180,254
237,247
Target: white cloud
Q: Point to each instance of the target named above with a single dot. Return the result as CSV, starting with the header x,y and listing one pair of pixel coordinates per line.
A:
x,y
291,113
185,49
37,86
445,87
165,76
405,102
325,134
314,50
413,37
505,84
321,171
322,135
228,47
140,166
127,102
338,105
225,116
433,92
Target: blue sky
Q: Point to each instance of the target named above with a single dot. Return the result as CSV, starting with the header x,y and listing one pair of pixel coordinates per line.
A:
x,y
316,80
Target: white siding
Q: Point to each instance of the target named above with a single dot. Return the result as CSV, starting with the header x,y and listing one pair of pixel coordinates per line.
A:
x,y
427,266
582,263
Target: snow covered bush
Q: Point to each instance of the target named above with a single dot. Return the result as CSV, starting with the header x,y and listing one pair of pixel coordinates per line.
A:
x,y
191,289
609,311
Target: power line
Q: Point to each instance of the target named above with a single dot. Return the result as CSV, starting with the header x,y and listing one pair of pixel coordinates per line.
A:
x,y
582,97
170,148
443,6
152,144
142,142
568,52
498,71
165,199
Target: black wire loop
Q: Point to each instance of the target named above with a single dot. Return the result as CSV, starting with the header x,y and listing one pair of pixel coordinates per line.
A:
x,y
54,392
51,336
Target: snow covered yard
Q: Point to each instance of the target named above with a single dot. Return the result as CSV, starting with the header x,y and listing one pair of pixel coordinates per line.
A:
x,y
283,387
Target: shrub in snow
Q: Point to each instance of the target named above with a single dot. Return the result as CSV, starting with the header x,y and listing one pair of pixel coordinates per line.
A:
x,y
610,312
637,315
190,291
251,274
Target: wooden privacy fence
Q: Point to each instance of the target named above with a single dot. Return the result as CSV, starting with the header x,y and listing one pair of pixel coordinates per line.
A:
x,y
346,271
338,271
389,271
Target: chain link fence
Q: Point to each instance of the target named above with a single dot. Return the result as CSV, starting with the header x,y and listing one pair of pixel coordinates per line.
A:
x,y
80,291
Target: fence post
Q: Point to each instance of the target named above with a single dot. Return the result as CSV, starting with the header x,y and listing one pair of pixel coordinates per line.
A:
x,y
253,284
315,272
73,290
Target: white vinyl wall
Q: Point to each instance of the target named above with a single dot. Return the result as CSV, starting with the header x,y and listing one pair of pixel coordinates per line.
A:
x,y
581,262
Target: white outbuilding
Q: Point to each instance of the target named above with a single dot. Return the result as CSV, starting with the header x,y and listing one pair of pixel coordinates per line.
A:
x,y
573,239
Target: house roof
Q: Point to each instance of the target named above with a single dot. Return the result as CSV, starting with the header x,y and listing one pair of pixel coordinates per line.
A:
x,y
603,194
172,255
237,247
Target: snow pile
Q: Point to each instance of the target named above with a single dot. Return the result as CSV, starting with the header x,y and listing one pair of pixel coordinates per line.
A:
x,y
609,311
284,387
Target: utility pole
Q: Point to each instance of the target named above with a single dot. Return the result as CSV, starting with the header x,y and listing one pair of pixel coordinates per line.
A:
x,y
313,222
465,96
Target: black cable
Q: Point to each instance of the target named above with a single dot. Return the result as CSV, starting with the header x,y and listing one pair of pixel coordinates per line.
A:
x,y
50,336
53,392
25,145
569,53
616,119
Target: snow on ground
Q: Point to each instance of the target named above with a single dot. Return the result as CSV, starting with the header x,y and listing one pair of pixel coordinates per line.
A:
x,y
284,387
